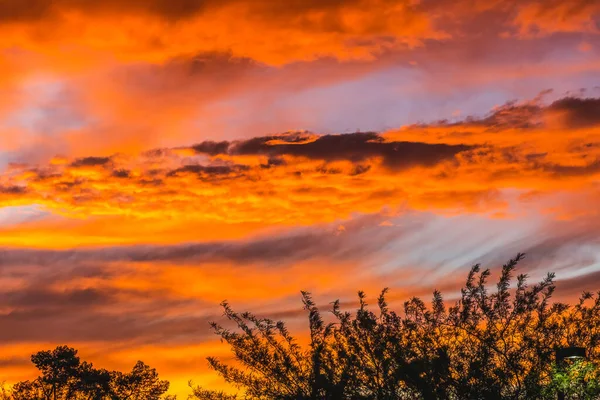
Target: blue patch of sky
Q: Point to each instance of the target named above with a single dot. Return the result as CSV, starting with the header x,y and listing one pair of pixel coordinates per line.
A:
x,y
52,111
448,244
14,215
387,100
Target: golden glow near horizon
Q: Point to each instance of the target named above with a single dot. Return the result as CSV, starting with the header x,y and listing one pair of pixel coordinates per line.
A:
x,y
158,157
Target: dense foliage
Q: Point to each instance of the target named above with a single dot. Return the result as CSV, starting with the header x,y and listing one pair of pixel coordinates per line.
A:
x,y
64,377
577,381
491,344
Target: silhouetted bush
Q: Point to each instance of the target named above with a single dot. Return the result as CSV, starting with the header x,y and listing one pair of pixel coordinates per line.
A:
x,y
65,377
490,344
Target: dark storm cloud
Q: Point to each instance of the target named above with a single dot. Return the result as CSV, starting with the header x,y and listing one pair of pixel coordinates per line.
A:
x,y
512,115
121,173
354,147
578,112
212,148
90,161
273,162
14,190
360,169
203,170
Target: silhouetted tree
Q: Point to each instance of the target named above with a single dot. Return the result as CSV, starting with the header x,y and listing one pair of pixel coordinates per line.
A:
x,y
142,383
65,377
490,344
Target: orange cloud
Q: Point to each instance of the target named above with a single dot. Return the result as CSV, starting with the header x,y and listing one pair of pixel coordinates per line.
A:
x,y
273,188
165,73
538,18
157,31
272,180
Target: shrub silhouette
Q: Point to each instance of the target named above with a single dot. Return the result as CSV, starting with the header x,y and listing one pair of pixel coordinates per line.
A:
x,y
490,344
65,377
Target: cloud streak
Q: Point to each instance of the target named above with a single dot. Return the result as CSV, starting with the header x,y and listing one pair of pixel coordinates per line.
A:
x,y
355,147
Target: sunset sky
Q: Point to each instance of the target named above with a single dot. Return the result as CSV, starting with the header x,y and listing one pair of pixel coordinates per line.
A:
x,y
160,156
